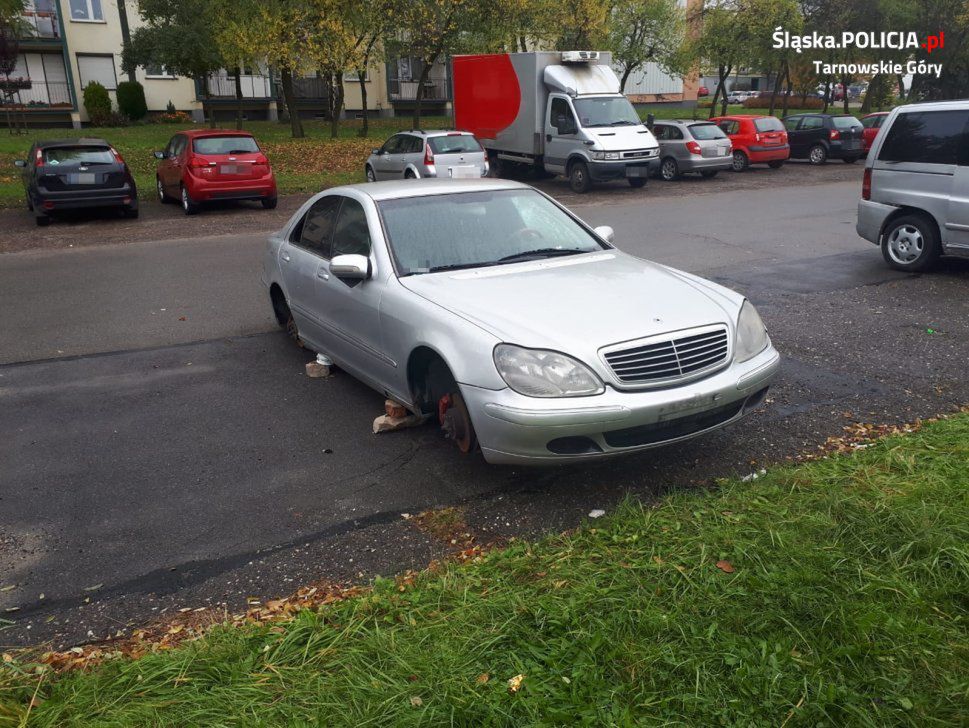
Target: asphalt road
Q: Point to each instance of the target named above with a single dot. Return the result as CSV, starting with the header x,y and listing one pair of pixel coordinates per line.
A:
x,y
161,447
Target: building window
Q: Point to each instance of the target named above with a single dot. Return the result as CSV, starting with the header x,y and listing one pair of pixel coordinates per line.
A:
x,y
97,68
155,70
86,10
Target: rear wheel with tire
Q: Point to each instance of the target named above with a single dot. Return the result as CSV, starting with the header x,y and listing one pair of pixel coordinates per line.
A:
x,y
188,204
709,173
270,202
669,170
579,179
636,182
818,154
776,164
740,161
910,243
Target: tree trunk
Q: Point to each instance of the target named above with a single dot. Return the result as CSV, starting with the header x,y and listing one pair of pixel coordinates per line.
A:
x,y
845,81
723,93
208,97
626,73
362,80
337,105
239,97
827,93
129,69
721,76
787,89
295,123
872,86
773,93
523,44
418,101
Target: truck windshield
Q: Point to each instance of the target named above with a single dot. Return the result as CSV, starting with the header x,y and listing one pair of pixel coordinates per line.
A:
x,y
606,111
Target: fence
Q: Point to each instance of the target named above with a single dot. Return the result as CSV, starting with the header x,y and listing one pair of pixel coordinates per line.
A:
x,y
42,95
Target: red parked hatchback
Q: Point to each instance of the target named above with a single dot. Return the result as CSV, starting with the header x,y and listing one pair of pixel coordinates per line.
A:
x,y
214,164
756,139
872,123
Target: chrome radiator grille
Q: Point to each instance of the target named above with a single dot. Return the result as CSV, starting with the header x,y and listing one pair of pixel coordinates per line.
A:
x,y
671,358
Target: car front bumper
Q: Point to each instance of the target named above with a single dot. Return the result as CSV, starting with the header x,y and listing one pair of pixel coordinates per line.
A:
x,y
517,430
603,171
871,219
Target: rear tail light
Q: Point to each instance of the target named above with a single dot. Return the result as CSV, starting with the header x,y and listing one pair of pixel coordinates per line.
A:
x,y
196,164
118,158
834,134
428,156
866,184
262,158
48,205
693,148
39,158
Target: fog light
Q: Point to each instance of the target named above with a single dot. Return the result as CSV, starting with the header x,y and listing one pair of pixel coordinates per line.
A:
x,y
126,200
48,205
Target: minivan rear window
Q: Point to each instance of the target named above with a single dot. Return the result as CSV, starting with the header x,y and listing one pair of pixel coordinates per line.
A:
x,y
930,137
78,155
706,131
768,123
846,122
454,144
225,145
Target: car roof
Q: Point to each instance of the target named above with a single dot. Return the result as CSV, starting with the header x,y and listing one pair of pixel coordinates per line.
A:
x,y
683,122
397,189
744,116
79,141
434,132
877,113
195,133
936,105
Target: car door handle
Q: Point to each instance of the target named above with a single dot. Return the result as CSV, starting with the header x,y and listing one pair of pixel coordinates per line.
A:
x,y
285,256
323,274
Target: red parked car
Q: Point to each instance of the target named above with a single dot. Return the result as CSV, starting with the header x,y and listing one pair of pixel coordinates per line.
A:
x,y
214,164
756,139
872,123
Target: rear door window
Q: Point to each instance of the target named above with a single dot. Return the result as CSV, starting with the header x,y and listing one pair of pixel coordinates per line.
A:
x,y
730,126
412,145
316,233
811,122
928,137
454,144
215,145
846,122
58,156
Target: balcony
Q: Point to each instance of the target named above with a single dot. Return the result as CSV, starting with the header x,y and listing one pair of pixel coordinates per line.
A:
x,y
224,87
403,78
41,96
41,19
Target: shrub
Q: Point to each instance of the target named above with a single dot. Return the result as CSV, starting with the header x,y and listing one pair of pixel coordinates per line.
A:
x,y
131,100
97,103
170,107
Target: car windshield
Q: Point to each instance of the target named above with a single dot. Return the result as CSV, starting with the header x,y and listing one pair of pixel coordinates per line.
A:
x,y
846,122
78,155
768,123
706,131
476,229
225,145
454,144
606,111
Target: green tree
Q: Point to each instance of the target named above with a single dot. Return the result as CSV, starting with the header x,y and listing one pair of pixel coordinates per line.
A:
x,y
647,31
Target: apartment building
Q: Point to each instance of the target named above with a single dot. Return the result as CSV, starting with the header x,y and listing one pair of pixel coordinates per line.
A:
x,y
73,42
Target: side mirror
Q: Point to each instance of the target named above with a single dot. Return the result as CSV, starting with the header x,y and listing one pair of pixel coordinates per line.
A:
x,y
20,163
160,155
350,266
378,152
605,232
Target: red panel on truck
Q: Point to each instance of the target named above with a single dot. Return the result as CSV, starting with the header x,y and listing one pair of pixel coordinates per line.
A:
x,y
486,94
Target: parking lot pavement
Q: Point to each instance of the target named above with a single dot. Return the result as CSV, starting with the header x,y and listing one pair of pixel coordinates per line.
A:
x,y
159,468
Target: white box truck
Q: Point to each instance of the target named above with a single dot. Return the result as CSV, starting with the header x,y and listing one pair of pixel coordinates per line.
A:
x,y
558,110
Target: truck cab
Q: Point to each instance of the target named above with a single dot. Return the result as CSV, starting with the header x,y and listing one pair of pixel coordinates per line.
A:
x,y
560,111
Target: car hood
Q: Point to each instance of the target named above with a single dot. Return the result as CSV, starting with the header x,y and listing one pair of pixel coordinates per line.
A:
x,y
580,303
620,138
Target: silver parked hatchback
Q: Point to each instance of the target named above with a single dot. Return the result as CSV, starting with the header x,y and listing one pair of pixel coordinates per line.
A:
x,y
416,154
692,146
492,309
915,194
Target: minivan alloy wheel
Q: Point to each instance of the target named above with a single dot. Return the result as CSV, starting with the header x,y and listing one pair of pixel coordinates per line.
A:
x,y
905,244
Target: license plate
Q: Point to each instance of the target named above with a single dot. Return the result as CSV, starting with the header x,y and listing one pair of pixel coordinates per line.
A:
x,y
466,172
228,169
84,178
721,152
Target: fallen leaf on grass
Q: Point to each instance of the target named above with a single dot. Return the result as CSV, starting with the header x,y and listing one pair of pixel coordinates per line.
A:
x,y
482,679
515,683
416,701
726,567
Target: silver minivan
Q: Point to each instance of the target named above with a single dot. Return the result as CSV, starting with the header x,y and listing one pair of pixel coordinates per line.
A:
x,y
692,146
419,154
915,195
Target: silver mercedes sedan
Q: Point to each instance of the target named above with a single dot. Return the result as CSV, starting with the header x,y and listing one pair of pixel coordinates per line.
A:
x,y
489,307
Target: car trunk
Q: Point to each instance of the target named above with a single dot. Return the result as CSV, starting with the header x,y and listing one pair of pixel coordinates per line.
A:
x,y
229,158
457,156
850,134
713,142
82,167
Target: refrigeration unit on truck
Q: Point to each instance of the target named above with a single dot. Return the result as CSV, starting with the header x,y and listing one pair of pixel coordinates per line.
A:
x,y
559,110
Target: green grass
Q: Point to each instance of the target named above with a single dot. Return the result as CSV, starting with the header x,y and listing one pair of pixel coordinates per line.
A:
x,y
300,165
847,606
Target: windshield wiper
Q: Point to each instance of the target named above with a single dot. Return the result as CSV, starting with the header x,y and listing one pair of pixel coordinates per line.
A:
x,y
540,253
459,266
623,122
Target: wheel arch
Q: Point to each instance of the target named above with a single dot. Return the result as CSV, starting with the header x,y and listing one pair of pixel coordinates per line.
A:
x,y
278,299
572,159
419,365
412,168
906,210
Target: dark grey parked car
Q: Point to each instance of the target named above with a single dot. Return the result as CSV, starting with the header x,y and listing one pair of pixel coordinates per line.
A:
x,y
692,146
419,154
68,174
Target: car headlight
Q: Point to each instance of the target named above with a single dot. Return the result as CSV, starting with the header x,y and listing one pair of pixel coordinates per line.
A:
x,y
605,155
751,333
542,373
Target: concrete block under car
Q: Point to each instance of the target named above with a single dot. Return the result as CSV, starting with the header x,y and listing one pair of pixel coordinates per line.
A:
x,y
386,423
